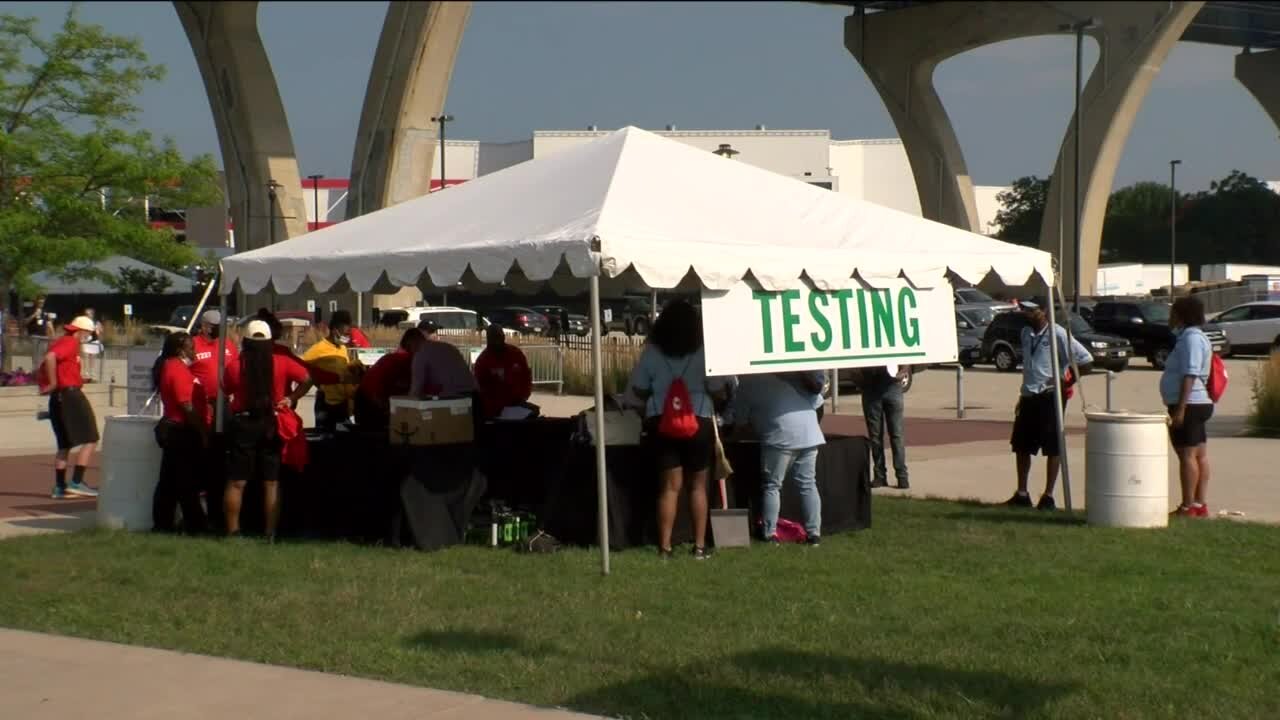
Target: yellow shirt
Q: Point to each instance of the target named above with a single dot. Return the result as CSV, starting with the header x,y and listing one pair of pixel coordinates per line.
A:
x,y
332,358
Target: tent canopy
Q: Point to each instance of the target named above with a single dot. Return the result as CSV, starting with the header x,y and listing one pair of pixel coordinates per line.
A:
x,y
636,209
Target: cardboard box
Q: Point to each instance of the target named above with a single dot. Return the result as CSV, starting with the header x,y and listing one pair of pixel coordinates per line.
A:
x,y
422,423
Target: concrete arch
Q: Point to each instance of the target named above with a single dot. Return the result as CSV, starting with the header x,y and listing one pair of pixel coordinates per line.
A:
x,y
397,141
253,130
1259,72
1133,42
900,52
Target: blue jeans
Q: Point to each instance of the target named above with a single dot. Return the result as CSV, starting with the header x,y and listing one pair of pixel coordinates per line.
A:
x,y
802,465
878,406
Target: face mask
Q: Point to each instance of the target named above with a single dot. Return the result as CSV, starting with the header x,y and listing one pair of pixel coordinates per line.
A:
x,y
213,332
344,339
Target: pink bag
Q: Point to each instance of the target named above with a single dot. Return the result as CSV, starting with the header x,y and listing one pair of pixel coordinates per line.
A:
x,y
788,531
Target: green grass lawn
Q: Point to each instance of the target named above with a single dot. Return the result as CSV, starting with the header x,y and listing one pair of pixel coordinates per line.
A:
x,y
942,610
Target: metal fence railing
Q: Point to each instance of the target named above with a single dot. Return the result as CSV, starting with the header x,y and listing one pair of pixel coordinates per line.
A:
x,y
1220,299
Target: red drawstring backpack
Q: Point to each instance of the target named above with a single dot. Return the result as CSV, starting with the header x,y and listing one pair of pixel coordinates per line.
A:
x,y
1217,385
678,420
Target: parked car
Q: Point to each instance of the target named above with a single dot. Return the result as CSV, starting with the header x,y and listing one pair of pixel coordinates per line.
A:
x,y
1145,324
630,316
180,316
1002,343
974,296
579,325
971,323
1250,328
523,320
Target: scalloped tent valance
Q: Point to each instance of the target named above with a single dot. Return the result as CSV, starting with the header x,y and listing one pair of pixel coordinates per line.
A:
x,y
637,210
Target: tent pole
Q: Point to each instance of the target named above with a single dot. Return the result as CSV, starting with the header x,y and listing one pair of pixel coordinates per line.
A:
x,y
602,484
1057,398
223,330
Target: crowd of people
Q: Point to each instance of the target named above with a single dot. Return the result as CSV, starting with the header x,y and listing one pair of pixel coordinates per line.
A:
x,y
684,411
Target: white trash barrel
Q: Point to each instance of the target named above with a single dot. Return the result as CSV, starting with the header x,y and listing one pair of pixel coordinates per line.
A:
x,y
1127,470
130,471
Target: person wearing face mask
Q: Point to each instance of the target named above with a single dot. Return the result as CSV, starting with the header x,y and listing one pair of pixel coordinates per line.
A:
x,y
334,400
205,369
183,436
1184,389
74,425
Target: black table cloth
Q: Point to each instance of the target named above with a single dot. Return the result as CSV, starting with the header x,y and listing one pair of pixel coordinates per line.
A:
x,y
356,487
843,477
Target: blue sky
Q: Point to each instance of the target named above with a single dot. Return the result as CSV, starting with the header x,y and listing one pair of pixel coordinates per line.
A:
x,y
528,66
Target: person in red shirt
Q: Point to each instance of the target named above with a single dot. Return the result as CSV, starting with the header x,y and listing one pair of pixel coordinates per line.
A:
x,y
183,436
205,369
390,377
74,425
260,384
359,339
502,375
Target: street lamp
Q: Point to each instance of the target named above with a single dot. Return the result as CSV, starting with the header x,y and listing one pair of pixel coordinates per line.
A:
x,y
1078,28
441,120
315,195
1173,222
725,151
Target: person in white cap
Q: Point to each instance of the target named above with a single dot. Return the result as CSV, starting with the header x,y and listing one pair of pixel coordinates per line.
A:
x,y
1035,425
74,425
261,382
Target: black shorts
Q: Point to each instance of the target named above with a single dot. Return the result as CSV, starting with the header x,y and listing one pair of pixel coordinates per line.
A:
x,y
1035,426
72,416
253,448
1193,431
693,454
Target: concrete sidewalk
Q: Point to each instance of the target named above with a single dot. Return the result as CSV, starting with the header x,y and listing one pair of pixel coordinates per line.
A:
x,y
119,682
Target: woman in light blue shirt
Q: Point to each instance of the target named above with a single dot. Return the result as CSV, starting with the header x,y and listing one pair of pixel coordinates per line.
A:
x,y
674,350
1183,390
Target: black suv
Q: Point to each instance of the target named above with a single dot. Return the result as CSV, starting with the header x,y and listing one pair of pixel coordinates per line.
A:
x,y
1002,343
523,320
1145,324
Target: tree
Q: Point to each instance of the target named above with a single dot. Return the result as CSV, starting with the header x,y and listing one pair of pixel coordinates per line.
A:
x,y
1022,210
1136,228
1236,220
72,171
140,281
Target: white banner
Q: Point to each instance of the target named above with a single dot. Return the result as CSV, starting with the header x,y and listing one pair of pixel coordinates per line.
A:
x,y
750,331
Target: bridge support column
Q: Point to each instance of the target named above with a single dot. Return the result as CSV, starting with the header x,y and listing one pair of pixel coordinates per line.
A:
x,y
1134,39
899,51
253,131
1259,72
396,143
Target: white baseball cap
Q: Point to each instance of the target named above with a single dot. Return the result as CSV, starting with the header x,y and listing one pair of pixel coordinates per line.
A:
x,y
211,317
81,323
257,330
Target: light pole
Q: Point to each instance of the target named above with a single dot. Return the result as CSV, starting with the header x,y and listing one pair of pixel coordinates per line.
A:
x,y
1078,28
725,151
315,196
1173,223
272,186
441,120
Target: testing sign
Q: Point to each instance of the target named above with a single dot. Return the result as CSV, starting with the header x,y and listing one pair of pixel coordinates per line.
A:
x,y
749,331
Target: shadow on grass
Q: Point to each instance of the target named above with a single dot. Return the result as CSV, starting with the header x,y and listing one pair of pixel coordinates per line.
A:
x,y
1000,514
473,642
870,688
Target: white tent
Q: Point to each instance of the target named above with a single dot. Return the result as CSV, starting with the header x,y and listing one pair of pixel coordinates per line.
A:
x,y
634,201
630,209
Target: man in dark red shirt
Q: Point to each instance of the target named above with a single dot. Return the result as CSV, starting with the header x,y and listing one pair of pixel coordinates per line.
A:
x,y
502,374
74,425
390,377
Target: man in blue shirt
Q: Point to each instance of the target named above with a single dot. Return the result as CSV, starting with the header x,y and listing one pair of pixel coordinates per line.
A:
x,y
783,417
1035,428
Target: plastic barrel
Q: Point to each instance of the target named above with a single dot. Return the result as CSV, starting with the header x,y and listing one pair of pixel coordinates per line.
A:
x,y
130,471
1127,470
